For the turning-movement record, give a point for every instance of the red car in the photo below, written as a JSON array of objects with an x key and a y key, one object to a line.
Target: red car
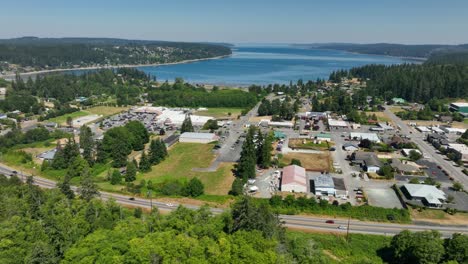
[{"x": 330, "y": 222}]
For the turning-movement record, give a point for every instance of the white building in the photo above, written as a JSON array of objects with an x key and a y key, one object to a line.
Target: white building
[
  {"x": 428, "y": 194},
  {"x": 294, "y": 179},
  {"x": 348, "y": 146},
  {"x": 324, "y": 185},
  {"x": 360, "y": 136},
  {"x": 423, "y": 129},
  {"x": 460, "y": 150},
  {"x": 192, "y": 137},
  {"x": 337, "y": 123},
  {"x": 453, "y": 130}
]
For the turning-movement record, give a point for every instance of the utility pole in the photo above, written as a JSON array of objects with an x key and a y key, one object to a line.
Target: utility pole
[
  {"x": 151, "y": 199},
  {"x": 347, "y": 230}
]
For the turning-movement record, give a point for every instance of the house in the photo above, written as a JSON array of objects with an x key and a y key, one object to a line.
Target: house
[
  {"x": 427, "y": 194},
  {"x": 404, "y": 167},
  {"x": 323, "y": 137},
  {"x": 324, "y": 185},
  {"x": 81, "y": 99},
  {"x": 397, "y": 100},
  {"x": 397, "y": 141},
  {"x": 294, "y": 179},
  {"x": 372, "y": 164},
  {"x": 460, "y": 107},
  {"x": 348, "y": 146},
  {"x": 360, "y": 136},
  {"x": 367, "y": 160},
  {"x": 192, "y": 137}
]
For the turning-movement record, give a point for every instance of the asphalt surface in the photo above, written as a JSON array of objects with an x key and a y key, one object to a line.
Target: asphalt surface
[
  {"x": 428, "y": 150},
  {"x": 296, "y": 222}
]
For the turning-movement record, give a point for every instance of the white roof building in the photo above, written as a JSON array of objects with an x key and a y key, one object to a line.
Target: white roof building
[
  {"x": 453, "y": 130},
  {"x": 337, "y": 123},
  {"x": 193, "y": 137},
  {"x": 423, "y": 129},
  {"x": 427, "y": 193},
  {"x": 385, "y": 126},
  {"x": 370, "y": 136}
]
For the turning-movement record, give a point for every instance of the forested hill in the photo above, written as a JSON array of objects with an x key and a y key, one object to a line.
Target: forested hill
[
  {"x": 459, "y": 57},
  {"x": 30, "y": 53},
  {"x": 415, "y": 83},
  {"x": 397, "y": 50}
]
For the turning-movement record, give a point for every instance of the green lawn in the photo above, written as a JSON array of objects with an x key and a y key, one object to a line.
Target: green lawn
[
  {"x": 183, "y": 157},
  {"x": 106, "y": 110},
  {"x": 63, "y": 118},
  {"x": 221, "y": 112},
  {"x": 360, "y": 248}
]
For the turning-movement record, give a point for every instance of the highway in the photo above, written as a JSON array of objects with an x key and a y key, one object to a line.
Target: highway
[
  {"x": 428, "y": 149},
  {"x": 306, "y": 223}
]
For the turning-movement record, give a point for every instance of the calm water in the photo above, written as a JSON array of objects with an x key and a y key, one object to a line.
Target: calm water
[{"x": 267, "y": 64}]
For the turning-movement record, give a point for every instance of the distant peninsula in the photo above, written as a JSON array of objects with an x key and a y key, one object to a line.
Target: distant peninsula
[{"x": 32, "y": 54}]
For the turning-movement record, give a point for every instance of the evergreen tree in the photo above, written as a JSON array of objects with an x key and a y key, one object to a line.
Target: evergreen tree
[
  {"x": 194, "y": 188},
  {"x": 248, "y": 160},
  {"x": 145, "y": 164},
  {"x": 116, "y": 177},
  {"x": 64, "y": 187},
  {"x": 88, "y": 189},
  {"x": 87, "y": 144},
  {"x": 187, "y": 125},
  {"x": 130, "y": 174}
]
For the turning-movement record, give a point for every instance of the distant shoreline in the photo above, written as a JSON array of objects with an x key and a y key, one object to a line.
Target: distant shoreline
[{"x": 34, "y": 73}]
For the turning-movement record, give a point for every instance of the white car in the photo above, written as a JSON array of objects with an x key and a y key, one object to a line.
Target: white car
[
  {"x": 342, "y": 227},
  {"x": 170, "y": 204}
]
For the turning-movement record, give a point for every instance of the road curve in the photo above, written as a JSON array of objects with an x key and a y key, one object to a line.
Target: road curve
[{"x": 307, "y": 223}]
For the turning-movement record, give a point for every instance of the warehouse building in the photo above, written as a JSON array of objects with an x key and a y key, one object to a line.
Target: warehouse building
[
  {"x": 192, "y": 137},
  {"x": 461, "y": 108},
  {"x": 429, "y": 195},
  {"x": 294, "y": 179}
]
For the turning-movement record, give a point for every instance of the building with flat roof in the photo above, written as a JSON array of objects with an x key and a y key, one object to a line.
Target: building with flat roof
[
  {"x": 324, "y": 185},
  {"x": 428, "y": 194},
  {"x": 460, "y": 107},
  {"x": 348, "y": 146},
  {"x": 48, "y": 155},
  {"x": 460, "y": 151},
  {"x": 370, "y": 136},
  {"x": 193, "y": 137},
  {"x": 323, "y": 136},
  {"x": 294, "y": 179},
  {"x": 332, "y": 123}
]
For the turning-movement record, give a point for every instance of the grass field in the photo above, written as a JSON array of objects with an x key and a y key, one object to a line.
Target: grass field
[
  {"x": 63, "y": 118},
  {"x": 381, "y": 116},
  {"x": 106, "y": 110},
  {"x": 359, "y": 249},
  {"x": 310, "y": 161},
  {"x": 298, "y": 143},
  {"x": 439, "y": 217},
  {"x": 221, "y": 112},
  {"x": 183, "y": 157}
]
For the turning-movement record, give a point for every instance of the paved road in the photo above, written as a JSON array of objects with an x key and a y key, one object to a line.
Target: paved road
[
  {"x": 299, "y": 222},
  {"x": 427, "y": 149}
]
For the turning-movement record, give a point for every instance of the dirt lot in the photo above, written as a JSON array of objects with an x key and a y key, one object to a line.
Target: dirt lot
[
  {"x": 310, "y": 161},
  {"x": 439, "y": 217}
]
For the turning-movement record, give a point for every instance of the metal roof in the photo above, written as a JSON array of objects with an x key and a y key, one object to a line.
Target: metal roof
[{"x": 195, "y": 135}]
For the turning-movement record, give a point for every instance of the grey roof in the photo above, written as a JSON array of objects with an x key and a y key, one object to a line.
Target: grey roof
[
  {"x": 372, "y": 160},
  {"x": 48, "y": 155},
  {"x": 195, "y": 135},
  {"x": 349, "y": 144},
  {"x": 324, "y": 181}
]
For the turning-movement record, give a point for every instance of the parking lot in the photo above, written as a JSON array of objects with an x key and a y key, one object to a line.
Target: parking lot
[
  {"x": 386, "y": 198},
  {"x": 433, "y": 170}
]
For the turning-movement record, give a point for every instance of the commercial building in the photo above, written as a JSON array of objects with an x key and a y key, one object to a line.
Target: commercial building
[
  {"x": 460, "y": 151},
  {"x": 453, "y": 130},
  {"x": 370, "y": 136},
  {"x": 332, "y": 123},
  {"x": 324, "y": 185},
  {"x": 294, "y": 179},
  {"x": 323, "y": 137},
  {"x": 423, "y": 129},
  {"x": 193, "y": 137},
  {"x": 429, "y": 195},
  {"x": 461, "y": 108}
]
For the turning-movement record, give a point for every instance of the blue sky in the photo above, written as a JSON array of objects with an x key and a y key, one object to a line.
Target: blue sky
[{"x": 241, "y": 21}]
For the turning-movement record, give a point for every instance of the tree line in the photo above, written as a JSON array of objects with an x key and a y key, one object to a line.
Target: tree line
[
  {"x": 285, "y": 110},
  {"x": 415, "y": 83},
  {"x": 180, "y": 94}
]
